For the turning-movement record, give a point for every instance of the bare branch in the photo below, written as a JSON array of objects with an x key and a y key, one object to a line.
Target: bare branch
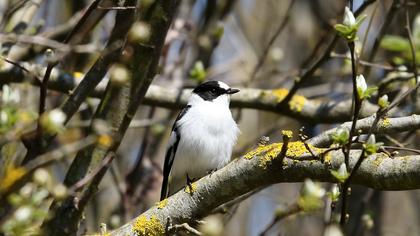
[
  {"x": 386, "y": 126},
  {"x": 300, "y": 107}
]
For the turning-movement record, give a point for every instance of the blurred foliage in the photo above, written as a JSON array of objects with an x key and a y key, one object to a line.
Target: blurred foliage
[
  {"x": 401, "y": 45},
  {"x": 209, "y": 40}
]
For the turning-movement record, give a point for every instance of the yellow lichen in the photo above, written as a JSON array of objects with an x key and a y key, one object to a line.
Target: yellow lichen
[
  {"x": 328, "y": 158},
  {"x": 270, "y": 152},
  {"x": 378, "y": 158},
  {"x": 147, "y": 227},
  {"x": 296, "y": 103},
  {"x": 162, "y": 204},
  {"x": 386, "y": 122},
  {"x": 190, "y": 188},
  {"x": 11, "y": 175},
  {"x": 297, "y": 149},
  {"x": 105, "y": 140},
  {"x": 287, "y": 133},
  {"x": 78, "y": 75},
  {"x": 260, "y": 149},
  {"x": 270, "y": 155}
]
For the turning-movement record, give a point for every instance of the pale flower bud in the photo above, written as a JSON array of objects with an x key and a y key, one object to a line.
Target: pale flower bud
[
  {"x": 213, "y": 226},
  {"x": 367, "y": 221},
  {"x": 341, "y": 131},
  {"x": 23, "y": 213},
  {"x": 57, "y": 116},
  {"x": 335, "y": 192},
  {"x": 119, "y": 74},
  {"x": 313, "y": 189},
  {"x": 383, "y": 101},
  {"x": 311, "y": 196},
  {"x": 41, "y": 176},
  {"x": 349, "y": 19},
  {"x": 3, "y": 117},
  {"x": 361, "y": 85},
  {"x": 59, "y": 192},
  {"x": 342, "y": 171},
  {"x": 372, "y": 139},
  {"x": 9, "y": 95},
  {"x": 276, "y": 54},
  {"x": 54, "y": 120},
  {"x": 139, "y": 32}
]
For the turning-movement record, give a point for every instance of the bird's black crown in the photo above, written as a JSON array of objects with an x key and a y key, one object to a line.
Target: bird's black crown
[{"x": 211, "y": 90}]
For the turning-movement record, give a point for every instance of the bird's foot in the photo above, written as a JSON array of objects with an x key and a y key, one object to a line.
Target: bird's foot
[
  {"x": 190, "y": 185},
  {"x": 210, "y": 172}
]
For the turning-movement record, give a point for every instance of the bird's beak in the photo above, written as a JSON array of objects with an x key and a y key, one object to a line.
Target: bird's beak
[{"x": 232, "y": 91}]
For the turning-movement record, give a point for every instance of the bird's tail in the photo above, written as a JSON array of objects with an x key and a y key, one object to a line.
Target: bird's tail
[{"x": 164, "y": 190}]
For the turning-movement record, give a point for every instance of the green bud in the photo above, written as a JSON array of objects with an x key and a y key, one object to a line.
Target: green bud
[
  {"x": 340, "y": 136},
  {"x": 139, "y": 32},
  {"x": 371, "y": 146},
  {"x": 348, "y": 29},
  {"x": 53, "y": 121},
  {"x": 213, "y": 226},
  {"x": 341, "y": 174},
  {"x": 311, "y": 196},
  {"x": 198, "y": 72},
  {"x": 383, "y": 101},
  {"x": 335, "y": 193},
  {"x": 41, "y": 177}
]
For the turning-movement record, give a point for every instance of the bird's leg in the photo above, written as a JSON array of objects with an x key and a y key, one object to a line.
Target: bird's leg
[{"x": 190, "y": 182}]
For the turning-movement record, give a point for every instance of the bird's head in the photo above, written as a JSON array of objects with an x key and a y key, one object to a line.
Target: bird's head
[{"x": 213, "y": 91}]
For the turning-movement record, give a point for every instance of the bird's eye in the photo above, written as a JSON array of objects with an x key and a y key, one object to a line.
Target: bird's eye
[{"x": 213, "y": 90}]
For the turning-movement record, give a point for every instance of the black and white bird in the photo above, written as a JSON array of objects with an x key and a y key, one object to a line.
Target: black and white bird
[{"x": 202, "y": 137}]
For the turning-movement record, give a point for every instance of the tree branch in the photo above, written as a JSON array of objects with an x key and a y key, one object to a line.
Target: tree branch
[
  {"x": 309, "y": 110},
  {"x": 386, "y": 126},
  {"x": 261, "y": 167}
]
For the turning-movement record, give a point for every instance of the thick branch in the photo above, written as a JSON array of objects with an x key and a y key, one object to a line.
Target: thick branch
[
  {"x": 262, "y": 168},
  {"x": 386, "y": 126}
]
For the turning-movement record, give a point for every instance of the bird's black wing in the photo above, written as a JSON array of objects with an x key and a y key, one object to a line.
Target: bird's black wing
[{"x": 170, "y": 153}]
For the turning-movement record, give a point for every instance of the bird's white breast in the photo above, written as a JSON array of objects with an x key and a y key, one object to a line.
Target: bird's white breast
[{"x": 208, "y": 133}]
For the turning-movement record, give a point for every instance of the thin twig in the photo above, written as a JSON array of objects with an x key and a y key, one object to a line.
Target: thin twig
[
  {"x": 402, "y": 149},
  {"x": 118, "y": 8},
  {"x": 36, "y": 146},
  {"x": 271, "y": 42},
  {"x": 323, "y": 58},
  {"x": 11, "y": 10},
  {"x": 226, "y": 206},
  {"x": 357, "y": 106},
  {"x": 378, "y": 38},
  {"x": 303, "y": 139},
  {"x": 394, "y": 141},
  {"x": 37, "y": 79},
  {"x": 105, "y": 163},
  {"x": 46, "y": 160},
  {"x": 365, "y": 63},
  {"x": 37, "y": 40},
  {"x": 368, "y": 29},
  {"x": 291, "y": 210},
  {"x": 284, "y": 148},
  {"x": 413, "y": 51},
  {"x": 183, "y": 227}
]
